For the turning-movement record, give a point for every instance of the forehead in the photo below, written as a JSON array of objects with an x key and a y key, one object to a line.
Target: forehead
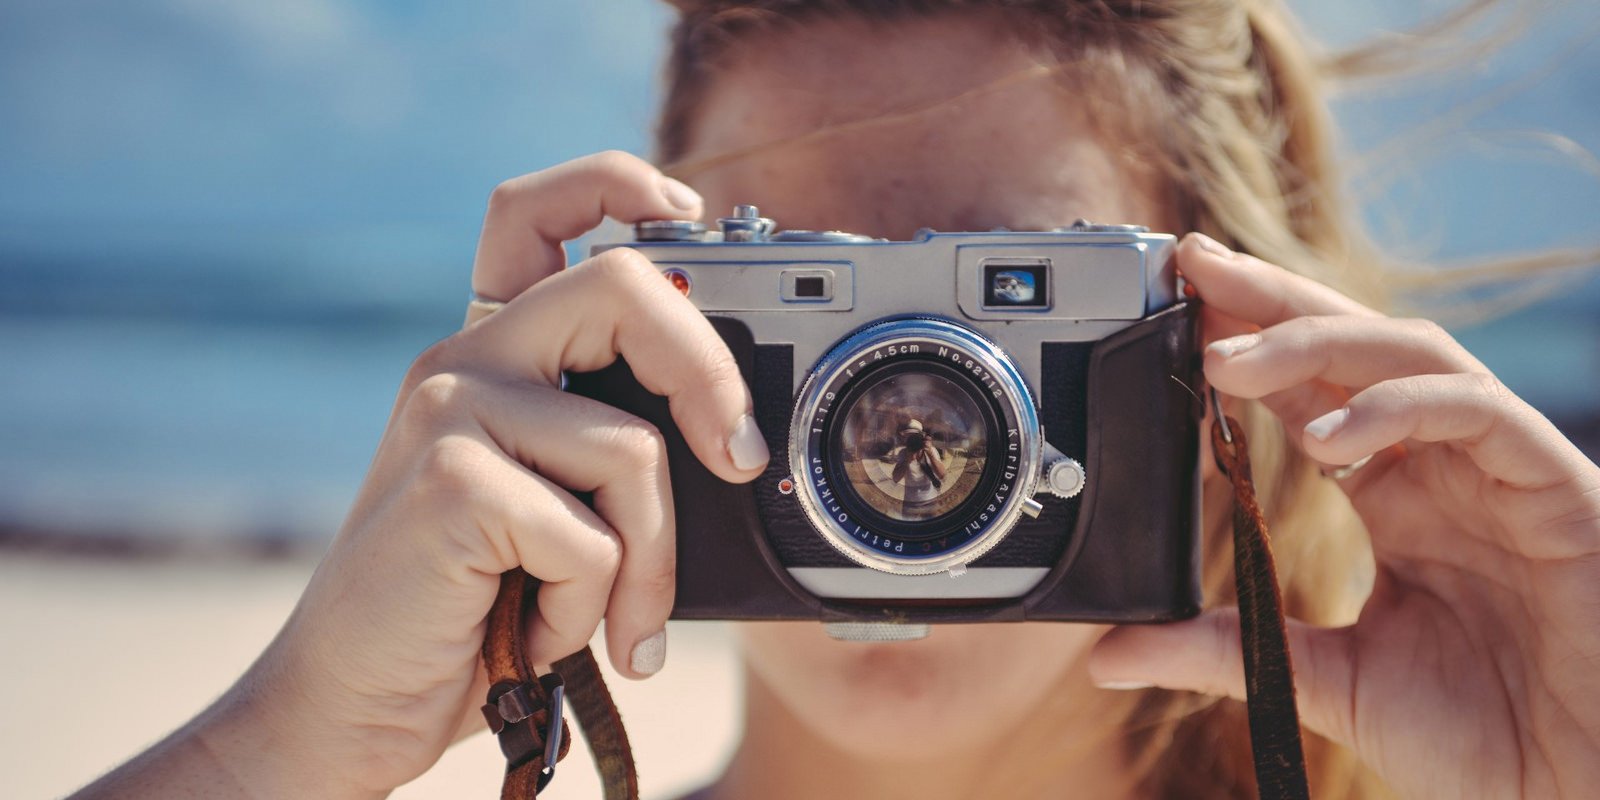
[{"x": 948, "y": 123}]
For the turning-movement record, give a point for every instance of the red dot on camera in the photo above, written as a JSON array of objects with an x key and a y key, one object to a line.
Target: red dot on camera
[
  {"x": 785, "y": 486},
  {"x": 679, "y": 281}
]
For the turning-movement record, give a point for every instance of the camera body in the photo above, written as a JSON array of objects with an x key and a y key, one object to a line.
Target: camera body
[{"x": 964, "y": 427}]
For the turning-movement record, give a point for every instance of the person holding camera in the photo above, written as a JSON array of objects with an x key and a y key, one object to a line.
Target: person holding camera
[
  {"x": 1446, "y": 593},
  {"x": 919, "y": 466}
]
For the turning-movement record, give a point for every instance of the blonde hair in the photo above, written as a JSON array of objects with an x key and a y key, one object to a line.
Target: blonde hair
[{"x": 1228, "y": 105}]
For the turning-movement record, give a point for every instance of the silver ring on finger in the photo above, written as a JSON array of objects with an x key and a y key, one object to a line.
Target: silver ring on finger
[
  {"x": 484, "y": 305},
  {"x": 479, "y": 307}
]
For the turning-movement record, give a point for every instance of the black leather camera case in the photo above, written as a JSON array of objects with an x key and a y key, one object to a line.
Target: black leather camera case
[{"x": 1124, "y": 550}]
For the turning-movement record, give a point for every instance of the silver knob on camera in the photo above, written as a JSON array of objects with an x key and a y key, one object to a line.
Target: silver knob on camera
[
  {"x": 669, "y": 230},
  {"x": 746, "y": 225},
  {"x": 1064, "y": 477}
]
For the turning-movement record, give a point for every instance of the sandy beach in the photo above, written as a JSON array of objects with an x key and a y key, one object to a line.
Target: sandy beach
[{"x": 135, "y": 647}]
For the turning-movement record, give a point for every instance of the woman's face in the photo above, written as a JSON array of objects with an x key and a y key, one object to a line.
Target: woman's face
[{"x": 1023, "y": 156}]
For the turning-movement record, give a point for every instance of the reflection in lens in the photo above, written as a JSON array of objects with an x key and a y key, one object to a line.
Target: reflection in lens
[{"x": 913, "y": 446}]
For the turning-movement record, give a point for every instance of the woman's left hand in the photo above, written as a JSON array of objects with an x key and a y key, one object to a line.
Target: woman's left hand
[{"x": 1474, "y": 667}]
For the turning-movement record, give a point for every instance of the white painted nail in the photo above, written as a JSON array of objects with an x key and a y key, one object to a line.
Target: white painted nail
[
  {"x": 747, "y": 447},
  {"x": 1228, "y": 348},
  {"x": 1328, "y": 424},
  {"x": 1123, "y": 686},
  {"x": 650, "y": 654},
  {"x": 679, "y": 194}
]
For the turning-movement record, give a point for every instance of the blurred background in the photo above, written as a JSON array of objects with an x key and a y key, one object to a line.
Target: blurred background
[{"x": 227, "y": 227}]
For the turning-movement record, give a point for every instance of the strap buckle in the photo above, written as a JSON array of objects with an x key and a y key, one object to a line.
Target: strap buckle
[
  {"x": 513, "y": 704},
  {"x": 555, "y": 730}
]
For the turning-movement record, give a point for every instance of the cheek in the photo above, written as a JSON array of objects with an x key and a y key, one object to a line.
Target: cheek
[{"x": 962, "y": 686}]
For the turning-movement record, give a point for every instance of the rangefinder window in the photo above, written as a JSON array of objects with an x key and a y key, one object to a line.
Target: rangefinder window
[{"x": 1016, "y": 283}]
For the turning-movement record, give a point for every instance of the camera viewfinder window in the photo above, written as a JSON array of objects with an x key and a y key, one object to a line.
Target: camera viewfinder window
[{"x": 1016, "y": 286}]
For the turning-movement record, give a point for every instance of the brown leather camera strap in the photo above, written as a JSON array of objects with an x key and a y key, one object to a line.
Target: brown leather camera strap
[
  {"x": 1268, "y": 672},
  {"x": 524, "y": 710}
]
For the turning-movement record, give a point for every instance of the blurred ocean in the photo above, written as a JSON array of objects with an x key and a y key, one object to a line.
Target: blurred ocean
[{"x": 226, "y": 228}]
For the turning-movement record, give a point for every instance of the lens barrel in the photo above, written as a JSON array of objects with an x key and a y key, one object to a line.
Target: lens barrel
[{"x": 913, "y": 445}]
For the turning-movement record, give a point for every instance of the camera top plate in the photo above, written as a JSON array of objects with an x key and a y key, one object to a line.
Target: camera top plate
[{"x": 1088, "y": 280}]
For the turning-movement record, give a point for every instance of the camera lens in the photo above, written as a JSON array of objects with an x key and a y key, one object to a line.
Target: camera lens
[
  {"x": 913, "y": 445},
  {"x": 910, "y": 443}
]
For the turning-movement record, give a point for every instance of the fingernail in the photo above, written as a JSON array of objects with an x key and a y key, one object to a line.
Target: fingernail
[
  {"x": 679, "y": 194},
  {"x": 1228, "y": 348},
  {"x": 650, "y": 654},
  {"x": 1212, "y": 246},
  {"x": 1123, "y": 686},
  {"x": 1328, "y": 424},
  {"x": 746, "y": 446}
]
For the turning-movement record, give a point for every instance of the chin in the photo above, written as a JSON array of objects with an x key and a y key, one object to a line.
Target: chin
[{"x": 962, "y": 686}]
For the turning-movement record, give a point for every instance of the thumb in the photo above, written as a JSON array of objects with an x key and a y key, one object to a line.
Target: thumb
[{"x": 1203, "y": 655}]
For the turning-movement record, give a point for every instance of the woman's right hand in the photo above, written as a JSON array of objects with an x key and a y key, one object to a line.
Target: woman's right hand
[{"x": 379, "y": 663}]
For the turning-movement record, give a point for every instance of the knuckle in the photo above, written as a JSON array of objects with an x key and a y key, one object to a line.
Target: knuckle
[
  {"x": 1450, "y": 355},
  {"x": 1310, "y": 331},
  {"x": 1427, "y": 327},
  {"x": 632, "y": 279},
  {"x": 453, "y": 467},
  {"x": 615, "y": 162},
  {"x": 1315, "y": 324},
  {"x": 638, "y": 444},
  {"x": 505, "y": 194},
  {"x": 560, "y": 636},
  {"x": 437, "y": 396},
  {"x": 603, "y": 558},
  {"x": 660, "y": 582},
  {"x": 1429, "y": 331},
  {"x": 1403, "y": 395},
  {"x": 1490, "y": 386},
  {"x": 625, "y": 267},
  {"x": 720, "y": 370},
  {"x": 429, "y": 362}
]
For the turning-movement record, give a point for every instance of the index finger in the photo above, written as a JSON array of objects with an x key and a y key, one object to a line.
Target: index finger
[
  {"x": 1246, "y": 288},
  {"x": 617, "y": 304},
  {"x": 529, "y": 217}
]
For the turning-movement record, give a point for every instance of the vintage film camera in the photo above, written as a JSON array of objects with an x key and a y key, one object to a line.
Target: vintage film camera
[{"x": 965, "y": 427}]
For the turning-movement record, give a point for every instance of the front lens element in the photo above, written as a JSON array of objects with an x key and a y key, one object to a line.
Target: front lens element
[{"x": 913, "y": 442}]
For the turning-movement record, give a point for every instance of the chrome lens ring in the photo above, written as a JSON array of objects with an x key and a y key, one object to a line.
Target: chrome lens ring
[{"x": 944, "y": 347}]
